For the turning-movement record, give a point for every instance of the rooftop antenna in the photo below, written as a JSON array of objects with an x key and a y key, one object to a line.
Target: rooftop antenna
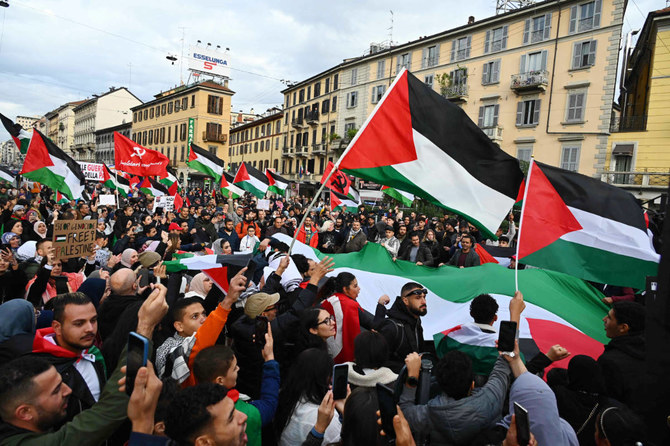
[
  {"x": 391, "y": 30},
  {"x": 130, "y": 75},
  {"x": 181, "y": 59},
  {"x": 503, "y": 6}
]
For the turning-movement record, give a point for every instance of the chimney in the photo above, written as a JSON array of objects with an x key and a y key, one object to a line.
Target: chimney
[
  {"x": 251, "y": 112},
  {"x": 471, "y": 20}
]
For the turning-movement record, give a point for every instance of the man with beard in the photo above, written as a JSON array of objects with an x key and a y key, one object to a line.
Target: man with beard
[{"x": 402, "y": 328}]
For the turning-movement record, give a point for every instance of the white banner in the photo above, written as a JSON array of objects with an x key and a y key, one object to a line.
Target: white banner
[
  {"x": 92, "y": 171},
  {"x": 263, "y": 204},
  {"x": 165, "y": 202},
  {"x": 205, "y": 60},
  {"x": 107, "y": 200}
]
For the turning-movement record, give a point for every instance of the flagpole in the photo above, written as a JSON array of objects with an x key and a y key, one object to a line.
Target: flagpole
[
  {"x": 116, "y": 175},
  {"x": 518, "y": 240}
]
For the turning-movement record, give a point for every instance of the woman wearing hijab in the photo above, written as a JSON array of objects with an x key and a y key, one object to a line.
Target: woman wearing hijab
[
  {"x": 40, "y": 229},
  {"x": 129, "y": 259},
  {"x": 51, "y": 281},
  {"x": 12, "y": 241},
  {"x": 96, "y": 289},
  {"x": 17, "y": 227},
  {"x": 17, "y": 329},
  {"x": 200, "y": 286}
]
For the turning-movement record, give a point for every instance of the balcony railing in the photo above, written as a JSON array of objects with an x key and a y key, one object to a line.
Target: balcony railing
[
  {"x": 637, "y": 179},
  {"x": 495, "y": 133},
  {"x": 628, "y": 124},
  {"x": 297, "y": 123},
  {"x": 302, "y": 151},
  {"x": 318, "y": 148},
  {"x": 312, "y": 117},
  {"x": 287, "y": 151},
  {"x": 455, "y": 92},
  {"x": 214, "y": 137},
  {"x": 531, "y": 80}
]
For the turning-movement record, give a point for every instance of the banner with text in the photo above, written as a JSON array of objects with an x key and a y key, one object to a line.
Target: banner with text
[
  {"x": 73, "y": 238},
  {"x": 92, "y": 171}
]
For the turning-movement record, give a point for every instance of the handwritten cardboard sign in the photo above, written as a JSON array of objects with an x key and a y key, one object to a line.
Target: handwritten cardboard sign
[{"x": 73, "y": 238}]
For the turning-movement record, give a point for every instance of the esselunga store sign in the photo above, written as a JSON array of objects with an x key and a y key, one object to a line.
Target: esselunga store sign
[{"x": 209, "y": 61}]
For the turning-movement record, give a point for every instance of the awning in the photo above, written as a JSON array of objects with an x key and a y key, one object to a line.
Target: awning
[{"x": 623, "y": 150}]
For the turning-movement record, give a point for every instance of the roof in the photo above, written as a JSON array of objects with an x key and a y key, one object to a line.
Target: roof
[
  {"x": 81, "y": 104},
  {"x": 114, "y": 128},
  {"x": 258, "y": 121},
  {"x": 210, "y": 85}
]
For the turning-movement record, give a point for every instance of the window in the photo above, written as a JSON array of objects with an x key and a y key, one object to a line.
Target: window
[
  {"x": 146, "y": 113},
  {"x": 135, "y": 117},
  {"x": 488, "y": 116},
  {"x": 354, "y": 76},
  {"x": 334, "y": 106},
  {"x": 431, "y": 56},
  {"x": 257, "y": 131},
  {"x": 327, "y": 86},
  {"x": 378, "y": 93},
  {"x": 158, "y": 111},
  {"x": 336, "y": 78},
  {"x": 151, "y": 113},
  {"x": 177, "y": 106},
  {"x": 381, "y": 69},
  {"x": 182, "y": 133},
  {"x": 491, "y": 72},
  {"x": 404, "y": 60},
  {"x": 584, "y": 54},
  {"x": 183, "y": 150},
  {"x": 294, "y": 96},
  {"x": 352, "y": 99},
  {"x": 495, "y": 40},
  {"x": 275, "y": 164},
  {"x": 163, "y": 109},
  {"x": 256, "y": 147},
  {"x": 278, "y": 126},
  {"x": 213, "y": 131},
  {"x": 528, "y": 113},
  {"x": 524, "y": 153},
  {"x": 168, "y": 135},
  {"x": 169, "y": 106},
  {"x": 460, "y": 48},
  {"x": 576, "y": 106},
  {"x": 144, "y": 138},
  {"x": 325, "y": 106},
  {"x": 184, "y": 103},
  {"x": 192, "y": 100},
  {"x": 349, "y": 126},
  {"x": 585, "y": 17},
  {"x": 570, "y": 158},
  {"x": 309, "y": 92},
  {"x": 537, "y": 29},
  {"x": 298, "y": 140},
  {"x": 317, "y": 89},
  {"x": 214, "y": 105},
  {"x": 428, "y": 80},
  {"x": 301, "y": 96},
  {"x": 532, "y": 62},
  {"x": 162, "y": 133}
]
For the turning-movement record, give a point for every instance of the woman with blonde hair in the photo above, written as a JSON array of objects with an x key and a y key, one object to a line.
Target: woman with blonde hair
[{"x": 327, "y": 238}]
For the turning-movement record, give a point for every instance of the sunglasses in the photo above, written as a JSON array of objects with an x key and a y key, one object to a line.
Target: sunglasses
[
  {"x": 417, "y": 292},
  {"x": 327, "y": 320}
]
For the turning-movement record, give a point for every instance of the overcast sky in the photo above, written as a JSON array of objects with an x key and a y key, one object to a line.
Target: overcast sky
[{"x": 56, "y": 51}]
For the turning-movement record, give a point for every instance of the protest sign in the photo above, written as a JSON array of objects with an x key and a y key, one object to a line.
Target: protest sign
[
  {"x": 93, "y": 171},
  {"x": 107, "y": 200},
  {"x": 166, "y": 202},
  {"x": 73, "y": 238},
  {"x": 263, "y": 204}
]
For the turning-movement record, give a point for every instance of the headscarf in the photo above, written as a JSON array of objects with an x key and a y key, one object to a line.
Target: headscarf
[
  {"x": 94, "y": 289},
  {"x": 7, "y": 236},
  {"x": 126, "y": 255},
  {"x": 36, "y": 225},
  {"x": 17, "y": 316},
  {"x": 28, "y": 251},
  {"x": 197, "y": 287}
]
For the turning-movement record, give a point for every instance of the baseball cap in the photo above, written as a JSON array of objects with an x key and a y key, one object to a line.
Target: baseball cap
[{"x": 257, "y": 303}]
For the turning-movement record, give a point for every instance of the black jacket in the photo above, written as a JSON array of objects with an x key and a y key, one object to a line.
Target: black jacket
[
  {"x": 624, "y": 370},
  {"x": 13, "y": 284},
  {"x": 403, "y": 332},
  {"x": 423, "y": 255}
]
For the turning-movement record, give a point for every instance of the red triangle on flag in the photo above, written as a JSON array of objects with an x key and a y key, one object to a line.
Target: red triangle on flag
[
  {"x": 242, "y": 174},
  {"x": 484, "y": 256},
  {"x": 219, "y": 276},
  {"x": 178, "y": 202},
  {"x": 545, "y": 217},
  {"x": 37, "y": 155}
]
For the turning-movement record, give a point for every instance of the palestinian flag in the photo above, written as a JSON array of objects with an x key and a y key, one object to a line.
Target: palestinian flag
[
  {"x": 251, "y": 180},
  {"x": 560, "y": 309},
  {"x": 353, "y": 194},
  {"x": 113, "y": 182},
  {"x": 149, "y": 186},
  {"x": 584, "y": 227},
  {"x": 420, "y": 142},
  {"x": 339, "y": 202},
  {"x": 228, "y": 186},
  {"x": 61, "y": 199},
  {"x": 404, "y": 197},
  {"x": 46, "y": 163},
  {"x": 278, "y": 184},
  {"x": 171, "y": 182},
  {"x": 204, "y": 161},
  {"x": 20, "y": 136},
  {"x": 7, "y": 176},
  {"x": 219, "y": 268}
]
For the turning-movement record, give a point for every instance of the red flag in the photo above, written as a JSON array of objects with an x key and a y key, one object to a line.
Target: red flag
[
  {"x": 484, "y": 256},
  {"x": 339, "y": 181},
  {"x": 178, "y": 202},
  {"x": 133, "y": 158}
]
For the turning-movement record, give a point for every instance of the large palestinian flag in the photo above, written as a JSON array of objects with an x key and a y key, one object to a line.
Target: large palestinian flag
[
  {"x": 339, "y": 202},
  {"x": 115, "y": 182},
  {"x": 560, "y": 309},
  {"x": 404, "y": 197},
  {"x": 584, "y": 227},
  {"x": 418, "y": 141},
  {"x": 278, "y": 184},
  {"x": 46, "y": 163},
  {"x": 152, "y": 187},
  {"x": 227, "y": 186},
  {"x": 20, "y": 136},
  {"x": 219, "y": 268},
  {"x": 251, "y": 180},
  {"x": 206, "y": 162}
]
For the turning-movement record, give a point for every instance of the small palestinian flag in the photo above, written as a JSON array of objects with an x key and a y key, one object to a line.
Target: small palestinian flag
[
  {"x": 61, "y": 199},
  {"x": 583, "y": 227},
  {"x": 219, "y": 268},
  {"x": 171, "y": 182},
  {"x": 7, "y": 176},
  {"x": 20, "y": 136},
  {"x": 420, "y": 142},
  {"x": 152, "y": 187},
  {"x": 46, "y": 163},
  {"x": 60, "y": 238},
  {"x": 339, "y": 202},
  {"x": 404, "y": 197},
  {"x": 227, "y": 185},
  {"x": 111, "y": 181},
  {"x": 251, "y": 180},
  {"x": 278, "y": 184},
  {"x": 206, "y": 162}
]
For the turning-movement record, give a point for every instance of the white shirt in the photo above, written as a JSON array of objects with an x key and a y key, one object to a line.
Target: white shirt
[
  {"x": 247, "y": 243},
  {"x": 86, "y": 369}
]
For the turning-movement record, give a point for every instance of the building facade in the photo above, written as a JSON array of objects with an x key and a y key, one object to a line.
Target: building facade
[
  {"x": 197, "y": 113},
  {"x": 60, "y": 126},
  {"x": 10, "y": 155},
  {"x": 27, "y": 122},
  {"x": 637, "y": 155},
  {"x": 538, "y": 80},
  {"x": 258, "y": 142},
  {"x": 100, "y": 112},
  {"x": 104, "y": 142}
]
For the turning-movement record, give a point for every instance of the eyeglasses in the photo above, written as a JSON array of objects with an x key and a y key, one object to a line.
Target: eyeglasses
[
  {"x": 327, "y": 320},
  {"x": 417, "y": 292}
]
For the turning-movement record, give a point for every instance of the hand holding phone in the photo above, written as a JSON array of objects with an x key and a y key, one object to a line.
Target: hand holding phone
[
  {"x": 522, "y": 425},
  {"x": 261, "y": 328},
  {"x": 251, "y": 269},
  {"x": 138, "y": 354},
  {"x": 340, "y": 381},
  {"x": 507, "y": 336},
  {"x": 387, "y": 409}
]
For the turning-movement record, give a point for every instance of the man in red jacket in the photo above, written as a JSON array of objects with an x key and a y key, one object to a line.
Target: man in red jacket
[{"x": 308, "y": 234}]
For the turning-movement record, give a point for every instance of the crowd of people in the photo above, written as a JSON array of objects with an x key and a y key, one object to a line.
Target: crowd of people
[{"x": 254, "y": 364}]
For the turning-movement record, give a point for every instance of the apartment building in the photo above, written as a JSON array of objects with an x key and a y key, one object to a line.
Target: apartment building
[
  {"x": 104, "y": 142},
  {"x": 27, "y": 122},
  {"x": 60, "y": 126},
  {"x": 637, "y": 156},
  {"x": 257, "y": 142},
  {"x": 198, "y": 113}
]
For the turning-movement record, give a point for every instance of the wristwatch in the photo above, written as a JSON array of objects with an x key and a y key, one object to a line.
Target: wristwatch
[{"x": 412, "y": 381}]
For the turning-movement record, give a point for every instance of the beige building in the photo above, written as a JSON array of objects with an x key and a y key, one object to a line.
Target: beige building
[
  {"x": 538, "y": 80},
  {"x": 27, "y": 122},
  {"x": 100, "y": 112},
  {"x": 257, "y": 142},
  {"x": 60, "y": 126},
  {"x": 198, "y": 113}
]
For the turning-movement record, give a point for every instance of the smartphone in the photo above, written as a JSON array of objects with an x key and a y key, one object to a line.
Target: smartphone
[
  {"x": 340, "y": 381},
  {"x": 522, "y": 425},
  {"x": 251, "y": 269},
  {"x": 387, "y": 409},
  {"x": 138, "y": 354},
  {"x": 507, "y": 336},
  {"x": 261, "y": 325}
]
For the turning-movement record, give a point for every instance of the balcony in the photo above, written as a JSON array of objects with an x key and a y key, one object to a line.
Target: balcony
[
  {"x": 214, "y": 137},
  {"x": 318, "y": 149},
  {"x": 297, "y": 123},
  {"x": 312, "y": 117},
  {"x": 288, "y": 151},
  {"x": 628, "y": 124},
  {"x": 302, "y": 151},
  {"x": 495, "y": 133},
  {"x": 637, "y": 179},
  {"x": 456, "y": 93},
  {"x": 530, "y": 82}
]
